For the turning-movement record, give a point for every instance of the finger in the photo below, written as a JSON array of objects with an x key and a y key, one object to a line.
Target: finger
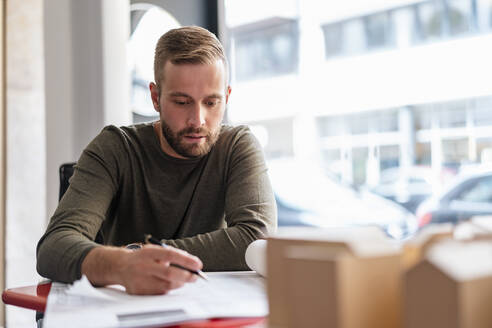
[
  {"x": 184, "y": 259},
  {"x": 165, "y": 271},
  {"x": 179, "y": 274},
  {"x": 173, "y": 255}
]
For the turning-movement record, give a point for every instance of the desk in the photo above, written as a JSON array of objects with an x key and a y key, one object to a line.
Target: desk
[{"x": 34, "y": 298}]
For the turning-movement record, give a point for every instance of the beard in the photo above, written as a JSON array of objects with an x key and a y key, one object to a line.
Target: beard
[{"x": 176, "y": 140}]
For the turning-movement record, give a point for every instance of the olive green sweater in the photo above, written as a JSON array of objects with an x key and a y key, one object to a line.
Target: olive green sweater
[{"x": 125, "y": 186}]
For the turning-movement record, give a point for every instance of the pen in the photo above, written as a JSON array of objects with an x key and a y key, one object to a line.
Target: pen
[{"x": 151, "y": 240}]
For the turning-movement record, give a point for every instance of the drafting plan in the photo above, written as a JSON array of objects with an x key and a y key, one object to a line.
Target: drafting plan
[{"x": 226, "y": 294}]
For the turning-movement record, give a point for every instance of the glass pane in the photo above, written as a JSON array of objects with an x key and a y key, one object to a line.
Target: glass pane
[
  {"x": 333, "y": 39},
  {"x": 482, "y": 114},
  {"x": 481, "y": 192},
  {"x": 359, "y": 124},
  {"x": 431, "y": 18},
  {"x": 386, "y": 122},
  {"x": 452, "y": 114},
  {"x": 455, "y": 152},
  {"x": 484, "y": 150},
  {"x": 389, "y": 156},
  {"x": 359, "y": 165},
  {"x": 459, "y": 16},
  {"x": 354, "y": 38},
  {"x": 423, "y": 117},
  {"x": 423, "y": 153},
  {"x": 331, "y": 126},
  {"x": 266, "y": 51},
  {"x": 378, "y": 31},
  {"x": 490, "y": 15},
  {"x": 147, "y": 26}
]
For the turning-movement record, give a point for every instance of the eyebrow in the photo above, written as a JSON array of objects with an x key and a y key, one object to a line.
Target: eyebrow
[{"x": 182, "y": 94}]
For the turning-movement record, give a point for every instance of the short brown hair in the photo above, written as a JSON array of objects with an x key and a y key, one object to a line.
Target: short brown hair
[{"x": 187, "y": 45}]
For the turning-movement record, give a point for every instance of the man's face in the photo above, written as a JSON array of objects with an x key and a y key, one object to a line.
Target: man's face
[{"x": 191, "y": 104}]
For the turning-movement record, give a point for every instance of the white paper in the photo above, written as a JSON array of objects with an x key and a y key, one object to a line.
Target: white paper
[
  {"x": 226, "y": 294},
  {"x": 84, "y": 288}
]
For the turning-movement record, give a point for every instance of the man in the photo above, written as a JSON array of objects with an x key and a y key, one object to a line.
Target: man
[{"x": 199, "y": 186}]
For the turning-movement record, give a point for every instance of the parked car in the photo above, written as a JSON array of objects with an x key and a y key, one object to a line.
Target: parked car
[
  {"x": 408, "y": 187},
  {"x": 306, "y": 196},
  {"x": 469, "y": 195}
]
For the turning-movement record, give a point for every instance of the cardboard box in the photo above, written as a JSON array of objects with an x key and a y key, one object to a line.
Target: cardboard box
[
  {"x": 451, "y": 287},
  {"x": 340, "y": 240},
  {"x": 342, "y": 290},
  {"x": 415, "y": 248}
]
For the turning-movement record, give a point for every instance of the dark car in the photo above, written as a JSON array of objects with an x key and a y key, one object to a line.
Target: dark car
[{"x": 470, "y": 195}]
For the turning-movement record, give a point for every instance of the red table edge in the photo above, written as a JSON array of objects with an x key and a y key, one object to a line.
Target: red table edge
[
  {"x": 29, "y": 297},
  {"x": 35, "y": 297}
]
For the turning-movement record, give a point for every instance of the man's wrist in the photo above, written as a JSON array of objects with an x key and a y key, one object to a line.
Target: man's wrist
[{"x": 104, "y": 265}]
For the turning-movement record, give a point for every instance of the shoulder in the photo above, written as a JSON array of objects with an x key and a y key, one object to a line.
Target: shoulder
[
  {"x": 112, "y": 135},
  {"x": 232, "y": 135},
  {"x": 237, "y": 142}
]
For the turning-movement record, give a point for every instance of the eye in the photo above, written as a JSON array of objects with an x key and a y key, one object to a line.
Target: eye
[
  {"x": 212, "y": 103},
  {"x": 181, "y": 101}
]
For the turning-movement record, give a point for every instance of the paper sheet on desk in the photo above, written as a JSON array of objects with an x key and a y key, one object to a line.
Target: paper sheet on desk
[{"x": 227, "y": 294}]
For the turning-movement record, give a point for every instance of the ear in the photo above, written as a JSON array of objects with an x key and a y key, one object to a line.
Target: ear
[
  {"x": 155, "y": 95},
  {"x": 228, "y": 93}
]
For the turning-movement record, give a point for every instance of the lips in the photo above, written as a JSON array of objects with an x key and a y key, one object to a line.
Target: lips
[{"x": 194, "y": 138}]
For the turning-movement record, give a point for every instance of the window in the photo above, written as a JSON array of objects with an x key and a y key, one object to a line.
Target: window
[
  {"x": 452, "y": 114},
  {"x": 389, "y": 156},
  {"x": 386, "y": 121},
  {"x": 344, "y": 38},
  {"x": 480, "y": 192},
  {"x": 484, "y": 150},
  {"x": 423, "y": 153},
  {"x": 378, "y": 31},
  {"x": 482, "y": 113},
  {"x": 423, "y": 117},
  {"x": 460, "y": 16},
  {"x": 359, "y": 164},
  {"x": 359, "y": 124},
  {"x": 431, "y": 20},
  {"x": 444, "y": 18},
  {"x": 490, "y": 15},
  {"x": 147, "y": 25},
  {"x": 266, "y": 49},
  {"x": 455, "y": 152},
  {"x": 333, "y": 34},
  {"x": 331, "y": 126}
]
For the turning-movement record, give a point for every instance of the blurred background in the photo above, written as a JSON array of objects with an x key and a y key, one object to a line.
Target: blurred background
[{"x": 370, "y": 112}]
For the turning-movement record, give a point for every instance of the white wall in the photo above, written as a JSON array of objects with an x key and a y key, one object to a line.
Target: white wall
[
  {"x": 26, "y": 151},
  {"x": 66, "y": 79}
]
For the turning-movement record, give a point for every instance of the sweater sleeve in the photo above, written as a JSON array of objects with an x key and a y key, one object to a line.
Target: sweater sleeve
[
  {"x": 73, "y": 227},
  {"x": 250, "y": 210}
]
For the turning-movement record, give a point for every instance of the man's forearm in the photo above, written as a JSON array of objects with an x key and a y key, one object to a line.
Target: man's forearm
[
  {"x": 220, "y": 250},
  {"x": 104, "y": 265}
]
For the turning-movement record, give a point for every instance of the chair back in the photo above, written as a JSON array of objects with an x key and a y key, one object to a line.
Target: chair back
[{"x": 66, "y": 171}]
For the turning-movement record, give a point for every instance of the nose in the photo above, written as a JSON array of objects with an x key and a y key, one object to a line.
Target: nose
[{"x": 196, "y": 116}]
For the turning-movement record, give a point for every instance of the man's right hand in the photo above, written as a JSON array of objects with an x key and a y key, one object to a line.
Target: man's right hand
[{"x": 145, "y": 271}]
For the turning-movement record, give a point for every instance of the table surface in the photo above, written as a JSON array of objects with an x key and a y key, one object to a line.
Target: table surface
[{"x": 34, "y": 297}]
